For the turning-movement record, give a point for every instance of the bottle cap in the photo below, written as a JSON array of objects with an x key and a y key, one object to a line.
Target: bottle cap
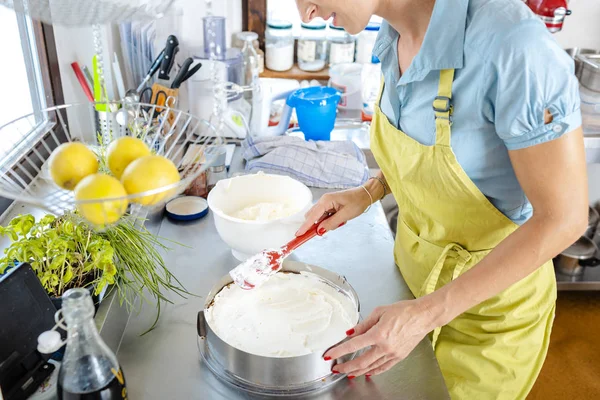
[
  {"x": 49, "y": 342},
  {"x": 279, "y": 24},
  {"x": 247, "y": 36}
]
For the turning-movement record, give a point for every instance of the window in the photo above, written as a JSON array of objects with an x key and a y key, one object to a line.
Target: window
[
  {"x": 29, "y": 83},
  {"x": 21, "y": 82}
]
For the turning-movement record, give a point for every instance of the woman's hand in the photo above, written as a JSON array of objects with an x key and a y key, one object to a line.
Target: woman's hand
[
  {"x": 392, "y": 332},
  {"x": 345, "y": 205}
]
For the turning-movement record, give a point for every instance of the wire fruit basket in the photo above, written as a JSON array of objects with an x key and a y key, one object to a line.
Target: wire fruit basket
[{"x": 29, "y": 141}]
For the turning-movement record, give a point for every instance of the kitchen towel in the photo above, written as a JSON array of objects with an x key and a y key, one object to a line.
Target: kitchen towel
[{"x": 321, "y": 164}]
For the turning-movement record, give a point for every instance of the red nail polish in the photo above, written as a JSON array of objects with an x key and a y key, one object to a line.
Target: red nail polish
[
  {"x": 334, "y": 371},
  {"x": 351, "y": 377},
  {"x": 321, "y": 231},
  {"x": 368, "y": 375},
  {"x": 342, "y": 224},
  {"x": 350, "y": 332},
  {"x": 327, "y": 358}
]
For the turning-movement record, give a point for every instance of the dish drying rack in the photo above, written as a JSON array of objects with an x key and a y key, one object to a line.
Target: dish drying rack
[{"x": 25, "y": 177}]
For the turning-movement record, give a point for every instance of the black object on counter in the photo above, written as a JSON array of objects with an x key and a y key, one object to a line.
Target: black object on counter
[
  {"x": 25, "y": 312},
  {"x": 171, "y": 49}
]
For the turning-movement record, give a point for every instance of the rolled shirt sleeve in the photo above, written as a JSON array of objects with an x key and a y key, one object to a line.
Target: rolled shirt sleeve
[{"x": 527, "y": 74}]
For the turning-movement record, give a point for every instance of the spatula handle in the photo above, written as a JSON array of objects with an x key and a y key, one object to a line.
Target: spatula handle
[{"x": 300, "y": 240}]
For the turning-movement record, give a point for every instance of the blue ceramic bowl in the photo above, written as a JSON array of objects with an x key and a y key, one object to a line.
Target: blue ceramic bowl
[{"x": 187, "y": 208}]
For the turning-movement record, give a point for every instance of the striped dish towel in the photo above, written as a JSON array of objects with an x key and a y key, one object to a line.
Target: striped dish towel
[{"x": 322, "y": 164}]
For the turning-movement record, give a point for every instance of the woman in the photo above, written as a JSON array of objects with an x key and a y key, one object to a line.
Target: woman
[{"x": 478, "y": 137}]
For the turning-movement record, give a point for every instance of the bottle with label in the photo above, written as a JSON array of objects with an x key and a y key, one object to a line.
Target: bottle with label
[
  {"x": 342, "y": 46},
  {"x": 89, "y": 370},
  {"x": 371, "y": 82},
  {"x": 312, "y": 46}
]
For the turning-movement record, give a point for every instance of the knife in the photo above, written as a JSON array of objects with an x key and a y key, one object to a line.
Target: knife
[
  {"x": 171, "y": 49},
  {"x": 153, "y": 68}
]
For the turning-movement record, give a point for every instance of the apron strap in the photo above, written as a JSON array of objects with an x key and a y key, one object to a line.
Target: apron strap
[
  {"x": 432, "y": 279},
  {"x": 442, "y": 106}
]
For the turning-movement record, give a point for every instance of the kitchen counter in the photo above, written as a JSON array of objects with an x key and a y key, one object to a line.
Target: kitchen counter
[{"x": 165, "y": 363}]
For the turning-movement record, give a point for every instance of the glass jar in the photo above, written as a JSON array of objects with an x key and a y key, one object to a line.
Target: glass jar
[
  {"x": 342, "y": 46},
  {"x": 279, "y": 46},
  {"x": 312, "y": 46},
  {"x": 216, "y": 157},
  {"x": 366, "y": 43}
]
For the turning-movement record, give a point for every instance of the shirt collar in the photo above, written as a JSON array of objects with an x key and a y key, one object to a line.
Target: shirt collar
[{"x": 442, "y": 46}]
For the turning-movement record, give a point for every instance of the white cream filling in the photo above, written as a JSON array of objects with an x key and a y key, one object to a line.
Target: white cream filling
[
  {"x": 289, "y": 315},
  {"x": 265, "y": 212}
]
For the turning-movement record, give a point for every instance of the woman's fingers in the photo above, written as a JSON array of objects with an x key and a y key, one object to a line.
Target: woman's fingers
[
  {"x": 367, "y": 324},
  {"x": 369, "y": 370},
  {"x": 364, "y": 362},
  {"x": 384, "y": 367},
  {"x": 352, "y": 345},
  {"x": 335, "y": 221},
  {"x": 314, "y": 215}
]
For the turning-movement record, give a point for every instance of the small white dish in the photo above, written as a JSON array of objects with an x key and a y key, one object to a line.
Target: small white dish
[{"x": 187, "y": 208}]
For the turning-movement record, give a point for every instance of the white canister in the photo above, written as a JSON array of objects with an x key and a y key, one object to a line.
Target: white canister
[
  {"x": 347, "y": 79},
  {"x": 366, "y": 43},
  {"x": 279, "y": 46}
]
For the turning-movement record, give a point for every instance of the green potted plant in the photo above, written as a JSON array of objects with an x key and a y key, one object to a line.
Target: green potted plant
[
  {"x": 62, "y": 253},
  {"x": 65, "y": 253}
]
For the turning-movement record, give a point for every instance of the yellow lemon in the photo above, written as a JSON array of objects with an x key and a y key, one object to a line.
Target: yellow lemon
[
  {"x": 150, "y": 173},
  {"x": 70, "y": 163},
  {"x": 122, "y": 152},
  {"x": 111, "y": 196}
]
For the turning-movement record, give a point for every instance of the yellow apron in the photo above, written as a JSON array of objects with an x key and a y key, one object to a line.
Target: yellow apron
[{"x": 446, "y": 226}]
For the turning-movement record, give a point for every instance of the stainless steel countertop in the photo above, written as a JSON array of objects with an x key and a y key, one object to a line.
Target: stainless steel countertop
[{"x": 165, "y": 363}]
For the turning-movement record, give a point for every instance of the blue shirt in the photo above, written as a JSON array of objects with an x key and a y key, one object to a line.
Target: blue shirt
[{"x": 509, "y": 69}]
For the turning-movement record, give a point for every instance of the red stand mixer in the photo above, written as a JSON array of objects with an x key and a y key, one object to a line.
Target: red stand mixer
[{"x": 552, "y": 12}]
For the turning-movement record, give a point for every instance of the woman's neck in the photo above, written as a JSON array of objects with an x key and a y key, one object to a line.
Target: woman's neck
[{"x": 410, "y": 18}]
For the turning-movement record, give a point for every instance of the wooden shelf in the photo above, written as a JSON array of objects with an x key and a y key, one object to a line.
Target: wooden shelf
[{"x": 298, "y": 74}]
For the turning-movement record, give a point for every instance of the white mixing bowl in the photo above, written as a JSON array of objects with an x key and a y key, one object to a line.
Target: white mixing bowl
[{"x": 247, "y": 238}]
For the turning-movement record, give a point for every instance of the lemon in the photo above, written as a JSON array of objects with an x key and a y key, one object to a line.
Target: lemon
[
  {"x": 70, "y": 163},
  {"x": 122, "y": 152},
  {"x": 150, "y": 173},
  {"x": 109, "y": 192}
]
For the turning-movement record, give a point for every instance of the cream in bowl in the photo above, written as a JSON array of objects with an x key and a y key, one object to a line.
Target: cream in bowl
[
  {"x": 266, "y": 211},
  {"x": 291, "y": 315},
  {"x": 259, "y": 211}
]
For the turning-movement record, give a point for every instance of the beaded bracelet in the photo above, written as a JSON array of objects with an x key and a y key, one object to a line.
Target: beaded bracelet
[{"x": 385, "y": 191}]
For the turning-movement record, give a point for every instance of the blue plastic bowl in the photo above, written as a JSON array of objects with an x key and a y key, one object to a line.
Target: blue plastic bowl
[{"x": 316, "y": 108}]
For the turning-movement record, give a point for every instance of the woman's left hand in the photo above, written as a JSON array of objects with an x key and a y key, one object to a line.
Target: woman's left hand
[{"x": 392, "y": 332}]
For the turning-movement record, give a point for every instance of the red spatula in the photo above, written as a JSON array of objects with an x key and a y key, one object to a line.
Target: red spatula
[{"x": 258, "y": 269}]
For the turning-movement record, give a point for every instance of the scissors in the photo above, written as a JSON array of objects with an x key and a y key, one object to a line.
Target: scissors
[
  {"x": 168, "y": 101},
  {"x": 185, "y": 72}
]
